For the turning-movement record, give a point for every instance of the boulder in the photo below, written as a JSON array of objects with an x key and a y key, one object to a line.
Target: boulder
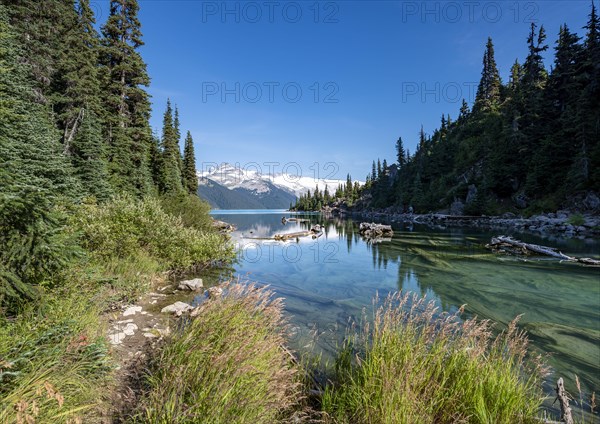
[
  {"x": 193, "y": 285},
  {"x": 176, "y": 308},
  {"x": 591, "y": 201},
  {"x": 372, "y": 230}
]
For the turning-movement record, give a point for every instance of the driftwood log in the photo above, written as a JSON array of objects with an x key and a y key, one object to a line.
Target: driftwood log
[
  {"x": 563, "y": 398},
  {"x": 516, "y": 247},
  {"x": 315, "y": 231},
  {"x": 372, "y": 230},
  {"x": 285, "y": 220}
]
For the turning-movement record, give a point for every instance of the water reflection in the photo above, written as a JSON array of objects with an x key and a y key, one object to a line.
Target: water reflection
[{"x": 329, "y": 280}]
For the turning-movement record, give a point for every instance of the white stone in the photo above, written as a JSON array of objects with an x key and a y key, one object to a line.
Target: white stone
[
  {"x": 176, "y": 308},
  {"x": 194, "y": 285},
  {"x": 132, "y": 310}
]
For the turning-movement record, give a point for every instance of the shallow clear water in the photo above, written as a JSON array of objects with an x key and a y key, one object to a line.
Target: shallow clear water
[{"x": 330, "y": 280}]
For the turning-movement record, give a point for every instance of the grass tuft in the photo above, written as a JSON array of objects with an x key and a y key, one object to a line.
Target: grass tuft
[
  {"x": 228, "y": 366},
  {"x": 412, "y": 364}
]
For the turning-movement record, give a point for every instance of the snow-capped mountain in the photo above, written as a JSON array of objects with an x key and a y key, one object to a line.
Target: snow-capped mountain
[{"x": 234, "y": 177}]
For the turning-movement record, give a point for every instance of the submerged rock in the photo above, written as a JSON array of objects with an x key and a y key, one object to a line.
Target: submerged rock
[
  {"x": 176, "y": 308},
  {"x": 193, "y": 285}
]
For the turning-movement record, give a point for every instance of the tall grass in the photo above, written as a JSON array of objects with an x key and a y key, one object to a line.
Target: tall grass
[
  {"x": 228, "y": 366},
  {"x": 54, "y": 361},
  {"x": 413, "y": 365}
]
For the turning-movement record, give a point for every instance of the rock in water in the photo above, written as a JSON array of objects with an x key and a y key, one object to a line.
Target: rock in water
[
  {"x": 372, "y": 230},
  {"x": 194, "y": 285},
  {"x": 176, "y": 308}
]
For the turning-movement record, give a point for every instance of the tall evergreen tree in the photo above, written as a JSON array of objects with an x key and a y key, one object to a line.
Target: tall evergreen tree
[
  {"x": 488, "y": 91},
  {"x": 534, "y": 72},
  {"x": 125, "y": 99},
  {"x": 78, "y": 104},
  {"x": 189, "y": 165},
  {"x": 400, "y": 153},
  {"x": 76, "y": 82},
  {"x": 176, "y": 126},
  {"x": 171, "y": 174},
  {"x": 464, "y": 111}
]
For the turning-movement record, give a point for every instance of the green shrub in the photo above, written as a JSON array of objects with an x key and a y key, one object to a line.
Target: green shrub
[
  {"x": 410, "y": 366},
  {"x": 193, "y": 211},
  {"x": 576, "y": 219},
  {"x": 228, "y": 365},
  {"x": 126, "y": 227}
]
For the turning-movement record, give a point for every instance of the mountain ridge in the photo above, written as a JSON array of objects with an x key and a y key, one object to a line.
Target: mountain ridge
[{"x": 230, "y": 186}]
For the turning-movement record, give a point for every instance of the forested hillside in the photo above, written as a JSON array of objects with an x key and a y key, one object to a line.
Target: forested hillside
[
  {"x": 530, "y": 143},
  {"x": 74, "y": 112}
]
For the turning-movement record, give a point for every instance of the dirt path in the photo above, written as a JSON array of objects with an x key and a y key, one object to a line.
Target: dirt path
[{"x": 133, "y": 332}]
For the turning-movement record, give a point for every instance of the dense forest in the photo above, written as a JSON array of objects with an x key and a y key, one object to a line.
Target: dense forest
[
  {"x": 74, "y": 111},
  {"x": 530, "y": 143},
  {"x": 315, "y": 200}
]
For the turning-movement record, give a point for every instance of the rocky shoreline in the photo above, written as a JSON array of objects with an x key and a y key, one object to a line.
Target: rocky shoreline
[{"x": 561, "y": 223}]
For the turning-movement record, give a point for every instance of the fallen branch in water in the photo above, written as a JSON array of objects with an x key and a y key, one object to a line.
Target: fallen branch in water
[
  {"x": 315, "y": 232},
  {"x": 516, "y": 247},
  {"x": 563, "y": 398}
]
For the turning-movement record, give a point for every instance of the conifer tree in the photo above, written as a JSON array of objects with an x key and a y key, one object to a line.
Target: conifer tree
[
  {"x": 170, "y": 163},
  {"x": 189, "y": 165},
  {"x": 156, "y": 163},
  {"x": 176, "y": 125},
  {"x": 125, "y": 100},
  {"x": 464, "y": 111},
  {"x": 488, "y": 91},
  {"x": 78, "y": 104},
  {"x": 76, "y": 82},
  {"x": 534, "y": 73},
  {"x": 400, "y": 153}
]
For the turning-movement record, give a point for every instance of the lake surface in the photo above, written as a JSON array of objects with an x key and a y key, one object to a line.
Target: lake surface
[{"x": 328, "y": 281}]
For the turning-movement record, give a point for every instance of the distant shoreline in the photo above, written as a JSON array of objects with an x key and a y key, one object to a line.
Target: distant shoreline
[{"x": 563, "y": 223}]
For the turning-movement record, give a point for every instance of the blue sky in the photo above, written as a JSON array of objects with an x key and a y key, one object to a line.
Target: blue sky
[{"x": 318, "y": 82}]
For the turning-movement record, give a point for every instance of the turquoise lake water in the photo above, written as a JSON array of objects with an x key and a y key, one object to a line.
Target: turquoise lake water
[{"x": 330, "y": 280}]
